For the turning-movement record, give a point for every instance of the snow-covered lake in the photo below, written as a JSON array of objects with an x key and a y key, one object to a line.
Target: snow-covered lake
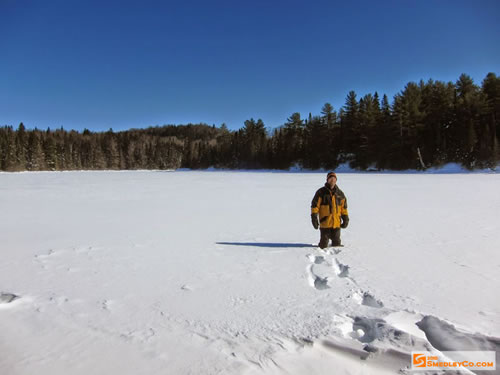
[{"x": 188, "y": 272}]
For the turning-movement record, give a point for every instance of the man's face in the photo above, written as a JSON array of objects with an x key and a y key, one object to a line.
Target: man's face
[{"x": 332, "y": 181}]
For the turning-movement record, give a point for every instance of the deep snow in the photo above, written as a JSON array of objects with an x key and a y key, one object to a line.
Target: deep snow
[{"x": 215, "y": 272}]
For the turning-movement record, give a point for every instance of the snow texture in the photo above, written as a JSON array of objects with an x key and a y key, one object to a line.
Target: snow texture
[{"x": 218, "y": 272}]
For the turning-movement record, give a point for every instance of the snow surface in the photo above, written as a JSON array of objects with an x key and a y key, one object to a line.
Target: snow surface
[{"x": 186, "y": 272}]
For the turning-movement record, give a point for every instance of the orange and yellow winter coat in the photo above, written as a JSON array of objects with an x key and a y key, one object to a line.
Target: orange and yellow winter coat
[{"x": 330, "y": 204}]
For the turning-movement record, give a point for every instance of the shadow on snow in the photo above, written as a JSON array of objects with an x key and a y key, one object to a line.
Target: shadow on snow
[{"x": 266, "y": 244}]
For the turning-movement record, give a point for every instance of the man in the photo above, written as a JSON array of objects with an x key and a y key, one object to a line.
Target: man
[{"x": 331, "y": 205}]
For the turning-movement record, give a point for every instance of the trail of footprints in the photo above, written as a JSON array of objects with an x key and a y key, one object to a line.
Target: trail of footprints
[
  {"x": 47, "y": 261},
  {"x": 321, "y": 271},
  {"x": 427, "y": 332},
  {"x": 68, "y": 259}
]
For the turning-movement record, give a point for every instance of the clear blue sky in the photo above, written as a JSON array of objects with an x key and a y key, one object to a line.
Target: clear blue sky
[{"x": 101, "y": 64}]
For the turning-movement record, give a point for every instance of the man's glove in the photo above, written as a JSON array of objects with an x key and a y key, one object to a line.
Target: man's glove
[
  {"x": 345, "y": 221},
  {"x": 315, "y": 222}
]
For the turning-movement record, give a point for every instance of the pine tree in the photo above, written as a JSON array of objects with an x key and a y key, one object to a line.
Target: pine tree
[
  {"x": 21, "y": 147},
  {"x": 329, "y": 115},
  {"x": 491, "y": 90},
  {"x": 349, "y": 126},
  {"x": 35, "y": 159},
  {"x": 294, "y": 131},
  {"x": 49, "y": 150}
]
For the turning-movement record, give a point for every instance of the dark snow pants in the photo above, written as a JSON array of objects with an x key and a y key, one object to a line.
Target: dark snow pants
[{"x": 327, "y": 234}]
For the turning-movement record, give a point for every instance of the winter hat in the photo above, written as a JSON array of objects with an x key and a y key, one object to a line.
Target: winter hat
[{"x": 330, "y": 174}]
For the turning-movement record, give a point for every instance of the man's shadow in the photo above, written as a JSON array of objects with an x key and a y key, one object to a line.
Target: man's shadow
[{"x": 266, "y": 244}]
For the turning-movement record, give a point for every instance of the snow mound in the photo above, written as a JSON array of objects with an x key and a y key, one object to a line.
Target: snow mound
[{"x": 445, "y": 337}]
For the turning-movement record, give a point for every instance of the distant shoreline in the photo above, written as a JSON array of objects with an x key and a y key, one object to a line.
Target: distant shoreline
[{"x": 451, "y": 168}]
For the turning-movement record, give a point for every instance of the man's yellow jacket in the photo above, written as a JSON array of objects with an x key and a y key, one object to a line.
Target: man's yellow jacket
[{"x": 331, "y": 205}]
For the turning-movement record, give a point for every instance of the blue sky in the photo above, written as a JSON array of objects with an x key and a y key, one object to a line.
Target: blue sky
[{"x": 132, "y": 64}]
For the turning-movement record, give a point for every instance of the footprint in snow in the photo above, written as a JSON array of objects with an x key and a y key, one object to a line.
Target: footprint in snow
[
  {"x": 370, "y": 300},
  {"x": 316, "y": 281},
  {"x": 342, "y": 270},
  {"x": 367, "y": 299},
  {"x": 321, "y": 270},
  {"x": 316, "y": 259},
  {"x": 7, "y": 298},
  {"x": 318, "y": 272}
]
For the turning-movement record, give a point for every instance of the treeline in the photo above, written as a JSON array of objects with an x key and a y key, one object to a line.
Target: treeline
[{"x": 427, "y": 124}]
